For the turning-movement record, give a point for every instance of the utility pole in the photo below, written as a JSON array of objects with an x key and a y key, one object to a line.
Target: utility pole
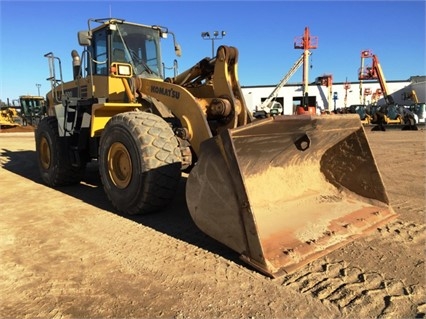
[{"x": 215, "y": 36}]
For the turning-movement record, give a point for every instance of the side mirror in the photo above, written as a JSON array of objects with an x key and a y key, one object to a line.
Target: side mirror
[{"x": 84, "y": 38}]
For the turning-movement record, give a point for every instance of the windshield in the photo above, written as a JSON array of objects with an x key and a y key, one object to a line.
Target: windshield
[
  {"x": 31, "y": 105},
  {"x": 138, "y": 46}
]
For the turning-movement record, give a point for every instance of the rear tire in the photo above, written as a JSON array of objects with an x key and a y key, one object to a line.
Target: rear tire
[
  {"x": 53, "y": 157},
  {"x": 139, "y": 162},
  {"x": 409, "y": 124}
]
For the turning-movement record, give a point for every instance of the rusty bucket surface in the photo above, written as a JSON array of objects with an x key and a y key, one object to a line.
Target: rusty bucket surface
[{"x": 287, "y": 190}]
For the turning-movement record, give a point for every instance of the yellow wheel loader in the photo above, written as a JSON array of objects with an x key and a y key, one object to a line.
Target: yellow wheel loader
[
  {"x": 280, "y": 191},
  {"x": 8, "y": 117}
]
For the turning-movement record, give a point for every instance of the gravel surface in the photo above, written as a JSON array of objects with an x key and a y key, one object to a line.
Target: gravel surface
[{"x": 67, "y": 254}]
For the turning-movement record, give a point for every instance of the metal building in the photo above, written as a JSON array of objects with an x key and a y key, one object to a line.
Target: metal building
[{"x": 337, "y": 96}]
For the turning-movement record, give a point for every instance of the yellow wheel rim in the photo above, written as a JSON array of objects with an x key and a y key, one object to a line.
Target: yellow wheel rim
[
  {"x": 119, "y": 165},
  {"x": 45, "y": 157}
]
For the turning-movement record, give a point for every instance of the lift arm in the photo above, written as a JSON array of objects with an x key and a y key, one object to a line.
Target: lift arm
[{"x": 382, "y": 80}]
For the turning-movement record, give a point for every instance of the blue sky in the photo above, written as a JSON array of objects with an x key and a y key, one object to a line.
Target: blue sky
[{"x": 262, "y": 31}]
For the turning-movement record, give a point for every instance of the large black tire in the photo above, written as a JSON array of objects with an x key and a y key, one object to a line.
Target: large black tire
[
  {"x": 53, "y": 156},
  {"x": 139, "y": 162},
  {"x": 409, "y": 124}
]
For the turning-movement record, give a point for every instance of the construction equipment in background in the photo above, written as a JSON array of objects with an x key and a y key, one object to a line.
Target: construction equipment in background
[
  {"x": 271, "y": 107},
  {"x": 363, "y": 111},
  {"x": 306, "y": 43},
  {"x": 376, "y": 96},
  {"x": 419, "y": 109},
  {"x": 389, "y": 113},
  {"x": 346, "y": 87},
  {"x": 374, "y": 72},
  {"x": 33, "y": 109},
  {"x": 8, "y": 117},
  {"x": 367, "y": 92},
  {"x": 327, "y": 81},
  {"x": 277, "y": 190},
  {"x": 411, "y": 95},
  {"x": 416, "y": 107}
]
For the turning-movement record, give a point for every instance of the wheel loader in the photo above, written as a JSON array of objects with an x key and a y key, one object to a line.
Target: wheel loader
[
  {"x": 280, "y": 191},
  {"x": 8, "y": 117}
]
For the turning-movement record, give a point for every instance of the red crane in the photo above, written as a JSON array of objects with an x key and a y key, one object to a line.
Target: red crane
[
  {"x": 306, "y": 42},
  {"x": 374, "y": 72}
]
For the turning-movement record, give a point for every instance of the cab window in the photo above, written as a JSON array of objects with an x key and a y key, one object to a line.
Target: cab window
[{"x": 100, "y": 57}]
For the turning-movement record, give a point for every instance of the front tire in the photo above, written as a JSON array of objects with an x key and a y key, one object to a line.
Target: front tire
[
  {"x": 139, "y": 162},
  {"x": 53, "y": 157}
]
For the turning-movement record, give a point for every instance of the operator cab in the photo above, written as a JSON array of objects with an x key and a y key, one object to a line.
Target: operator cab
[
  {"x": 117, "y": 41},
  {"x": 276, "y": 109}
]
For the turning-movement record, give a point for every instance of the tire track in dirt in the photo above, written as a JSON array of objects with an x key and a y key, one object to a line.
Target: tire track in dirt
[
  {"x": 363, "y": 293},
  {"x": 404, "y": 231},
  {"x": 359, "y": 293}
]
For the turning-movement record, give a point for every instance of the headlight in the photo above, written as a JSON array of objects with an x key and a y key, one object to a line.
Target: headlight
[{"x": 121, "y": 70}]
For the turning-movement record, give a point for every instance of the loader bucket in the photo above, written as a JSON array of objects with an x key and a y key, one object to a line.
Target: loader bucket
[{"x": 285, "y": 191}]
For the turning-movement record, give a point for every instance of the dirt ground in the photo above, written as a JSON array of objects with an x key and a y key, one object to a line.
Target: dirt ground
[{"x": 66, "y": 253}]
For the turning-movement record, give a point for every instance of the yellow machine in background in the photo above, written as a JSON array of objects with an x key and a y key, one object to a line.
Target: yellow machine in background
[
  {"x": 28, "y": 110},
  {"x": 8, "y": 117},
  {"x": 418, "y": 108},
  {"x": 280, "y": 191},
  {"x": 390, "y": 112}
]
